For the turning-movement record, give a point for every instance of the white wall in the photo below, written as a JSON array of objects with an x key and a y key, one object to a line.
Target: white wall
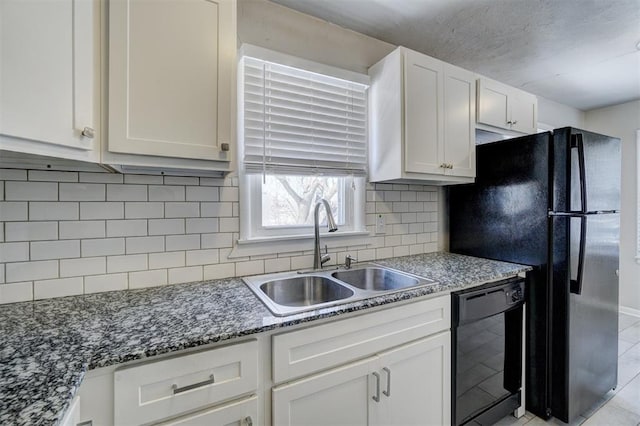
[
  {"x": 275, "y": 27},
  {"x": 555, "y": 115},
  {"x": 622, "y": 121}
]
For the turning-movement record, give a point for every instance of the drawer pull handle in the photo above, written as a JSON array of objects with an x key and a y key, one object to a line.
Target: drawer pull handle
[
  {"x": 376, "y": 397},
  {"x": 248, "y": 421},
  {"x": 388, "y": 391},
  {"x": 176, "y": 389}
]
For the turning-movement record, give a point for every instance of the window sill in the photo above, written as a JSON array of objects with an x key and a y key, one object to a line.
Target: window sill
[{"x": 296, "y": 243}]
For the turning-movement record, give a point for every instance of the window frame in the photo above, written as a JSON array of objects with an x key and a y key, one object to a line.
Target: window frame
[{"x": 251, "y": 229}]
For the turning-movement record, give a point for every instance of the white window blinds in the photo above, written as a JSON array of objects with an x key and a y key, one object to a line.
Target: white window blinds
[{"x": 300, "y": 122}]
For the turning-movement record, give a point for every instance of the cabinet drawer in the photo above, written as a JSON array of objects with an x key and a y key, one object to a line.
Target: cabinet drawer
[
  {"x": 306, "y": 351},
  {"x": 237, "y": 413},
  {"x": 161, "y": 389}
]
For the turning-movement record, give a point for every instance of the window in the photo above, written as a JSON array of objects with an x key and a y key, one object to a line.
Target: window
[{"x": 303, "y": 137}]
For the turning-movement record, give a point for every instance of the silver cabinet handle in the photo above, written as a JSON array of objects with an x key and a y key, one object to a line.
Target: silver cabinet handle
[
  {"x": 224, "y": 147},
  {"x": 443, "y": 165},
  {"x": 88, "y": 132},
  {"x": 388, "y": 391},
  {"x": 176, "y": 389},
  {"x": 376, "y": 397},
  {"x": 248, "y": 421}
]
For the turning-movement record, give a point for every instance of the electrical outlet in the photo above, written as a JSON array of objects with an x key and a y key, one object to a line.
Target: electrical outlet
[{"x": 380, "y": 225}]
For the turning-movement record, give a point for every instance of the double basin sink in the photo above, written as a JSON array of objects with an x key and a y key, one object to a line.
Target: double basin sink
[{"x": 291, "y": 292}]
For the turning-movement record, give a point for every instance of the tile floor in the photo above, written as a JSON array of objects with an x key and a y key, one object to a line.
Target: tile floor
[{"x": 620, "y": 407}]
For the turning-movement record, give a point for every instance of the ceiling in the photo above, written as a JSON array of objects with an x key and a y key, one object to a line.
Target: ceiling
[{"x": 580, "y": 53}]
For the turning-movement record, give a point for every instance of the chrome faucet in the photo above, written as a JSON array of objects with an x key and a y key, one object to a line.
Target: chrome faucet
[{"x": 319, "y": 259}]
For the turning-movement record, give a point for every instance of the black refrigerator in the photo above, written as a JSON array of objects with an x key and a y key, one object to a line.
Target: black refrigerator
[{"x": 551, "y": 200}]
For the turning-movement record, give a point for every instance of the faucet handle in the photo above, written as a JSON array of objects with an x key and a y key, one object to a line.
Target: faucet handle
[{"x": 348, "y": 260}]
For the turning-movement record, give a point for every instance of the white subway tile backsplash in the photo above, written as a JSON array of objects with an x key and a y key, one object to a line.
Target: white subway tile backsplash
[
  {"x": 202, "y": 193},
  {"x": 117, "y": 192},
  {"x": 202, "y": 257},
  {"x": 229, "y": 224},
  {"x": 31, "y": 231},
  {"x": 214, "y": 272},
  {"x": 101, "y": 210},
  {"x": 218, "y": 240},
  {"x": 29, "y": 271},
  {"x": 82, "y": 192},
  {"x": 183, "y": 275},
  {"x": 13, "y": 211},
  {"x": 144, "y": 279},
  {"x": 63, "y": 249},
  {"x": 16, "y": 292},
  {"x": 182, "y": 242},
  {"x": 216, "y": 209},
  {"x": 53, "y": 210},
  {"x": 14, "y": 252},
  {"x": 276, "y": 265},
  {"x": 176, "y": 210},
  {"x": 57, "y": 288},
  {"x": 229, "y": 193},
  {"x": 13, "y": 174},
  {"x": 83, "y": 266},
  {"x": 143, "y": 179},
  {"x": 170, "y": 259},
  {"x": 202, "y": 225},
  {"x": 166, "y": 193},
  {"x": 126, "y": 228},
  {"x": 181, "y": 180},
  {"x": 144, "y": 210},
  {"x": 113, "y": 232},
  {"x": 82, "y": 229},
  {"x": 145, "y": 245},
  {"x": 30, "y": 191},
  {"x": 102, "y": 247},
  {"x": 52, "y": 176},
  {"x": 100, "y": 177},
  {"x": 109, "y": 282},
  {"x": 166, "y": 226},
  {"x": 127, "y": 263}
]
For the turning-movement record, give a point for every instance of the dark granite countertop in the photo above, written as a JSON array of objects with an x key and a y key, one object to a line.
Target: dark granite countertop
[{"x": 47, "y": 346}]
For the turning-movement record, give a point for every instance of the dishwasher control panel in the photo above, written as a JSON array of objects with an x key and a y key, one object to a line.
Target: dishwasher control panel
[{"x": 473, "y": 304}]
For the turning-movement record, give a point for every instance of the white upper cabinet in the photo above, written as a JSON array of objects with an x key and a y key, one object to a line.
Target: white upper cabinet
[
  {"x": 172, "y": 78},
  {"x": 506, "y": 107},
  {"x": 49, "y": 78},
  {"x": 422, "y": 120}
]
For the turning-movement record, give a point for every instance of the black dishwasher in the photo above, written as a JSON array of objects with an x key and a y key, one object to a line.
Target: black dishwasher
[{"x": 487, "y": 352}]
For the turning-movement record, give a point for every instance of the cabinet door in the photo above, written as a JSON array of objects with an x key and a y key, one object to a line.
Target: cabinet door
[
  {"x": 171, "y": 77},
  {"x": 524, "y": 112},
  {"x": 416, "y": 383},
  {"x": 424, "y": 121},
  {"x": 238, "y": 413},
  {"x": 493, "y": 103},
  {"x": 336, "y": 397},
  {"x": 459, "y": 121},
  {"x": 48, "y": 73}
]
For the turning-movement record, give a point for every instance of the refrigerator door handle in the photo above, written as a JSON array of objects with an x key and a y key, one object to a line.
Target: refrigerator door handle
[
  {"x": 578, "y": 143},
  {"x": 575, "y": 286}
]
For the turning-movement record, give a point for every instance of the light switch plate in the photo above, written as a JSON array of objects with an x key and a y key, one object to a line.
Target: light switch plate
[{"x": 380, "y": 225}]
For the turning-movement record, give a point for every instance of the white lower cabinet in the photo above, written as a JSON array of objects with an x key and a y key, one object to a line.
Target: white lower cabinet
[
  {"x": 164, "y": 389},
  {"x": 335, "y": 397},
  {"x": 238, "y": 413},
  {"x": 407, "y": 385}
]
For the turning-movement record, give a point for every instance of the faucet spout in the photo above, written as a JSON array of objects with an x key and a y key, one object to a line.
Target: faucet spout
[{"x": 318, "y": 258}]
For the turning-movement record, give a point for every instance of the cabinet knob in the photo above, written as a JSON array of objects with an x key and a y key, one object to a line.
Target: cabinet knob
[
  {"x": 224, "y": 147},
  {"x": 88, "y": 132},
  {"x": 514, "y": 122},
  {"x": 248, "y": 421},
  {"x": 451, "y": 166},
  {"x": 443, "y": 166}
]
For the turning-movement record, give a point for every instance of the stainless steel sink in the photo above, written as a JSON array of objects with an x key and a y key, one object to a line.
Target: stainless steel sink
[
  {"x": 376, "y": 279},
  {"x": 289, "y": 293},
  {"x": 305, "y": 291}
]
